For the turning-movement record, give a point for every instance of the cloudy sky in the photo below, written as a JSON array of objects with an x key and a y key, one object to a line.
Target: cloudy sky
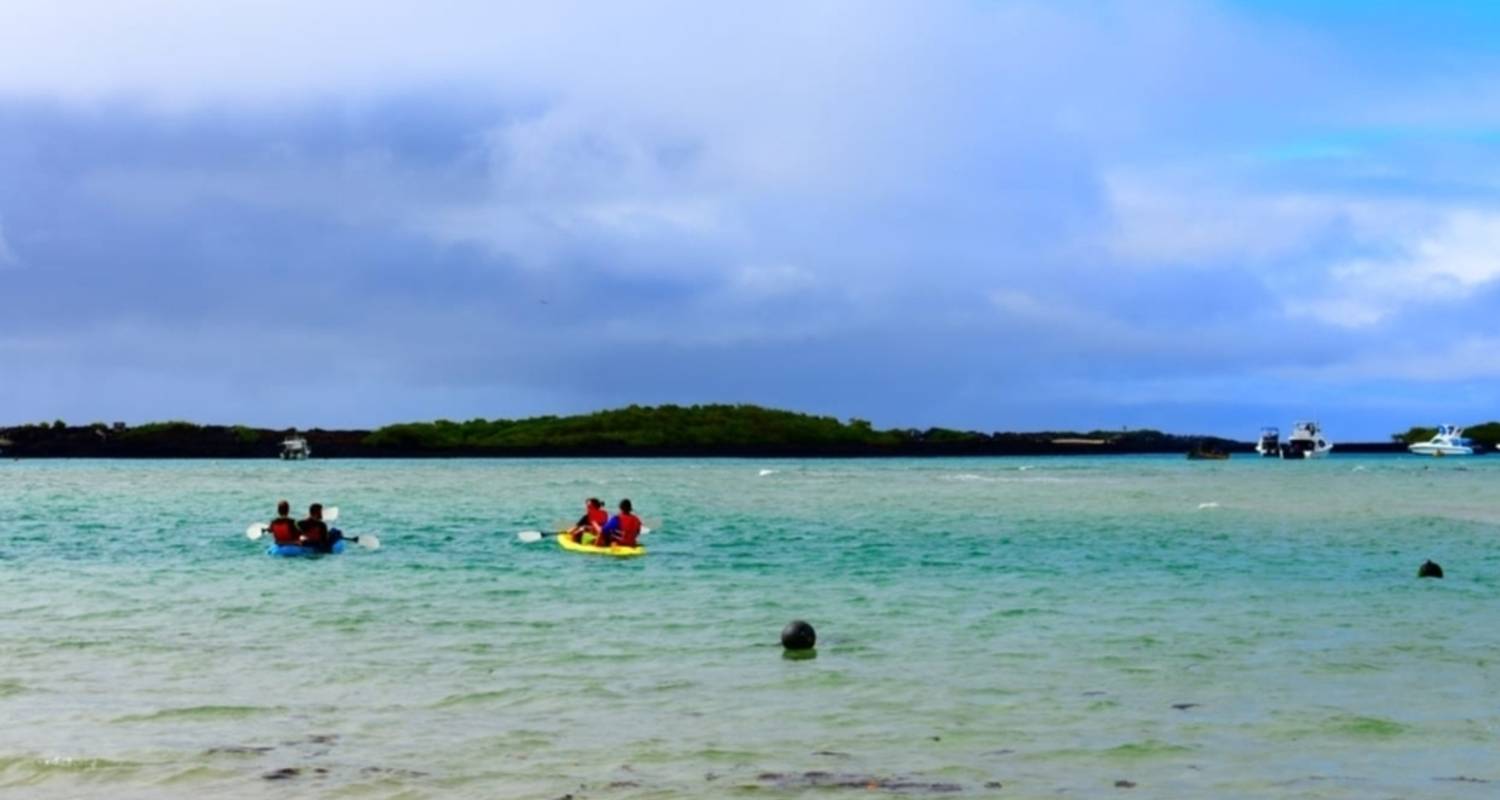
[{"x": 1197, "y": 216}]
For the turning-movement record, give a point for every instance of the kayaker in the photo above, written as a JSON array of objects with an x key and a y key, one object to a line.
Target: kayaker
[
  {"x": 283, "y": 529},
  {"x": 314, "y": 531},
  {"x": 594, "y": 517},
  {"x": 622, "y": 529}
]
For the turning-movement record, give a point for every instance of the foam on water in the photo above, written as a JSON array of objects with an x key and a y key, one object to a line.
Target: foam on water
[{"x": 1056, "y": 635}]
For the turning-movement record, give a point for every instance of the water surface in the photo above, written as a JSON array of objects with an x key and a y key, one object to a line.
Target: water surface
[{"x": 1232, "y": 629}]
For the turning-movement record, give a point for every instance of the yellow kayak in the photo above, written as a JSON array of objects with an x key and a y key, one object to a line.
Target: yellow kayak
[{"x": 614, "y": 550}]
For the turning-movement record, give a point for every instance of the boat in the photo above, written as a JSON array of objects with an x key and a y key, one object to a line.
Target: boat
[
  {"x": 565, "y": 540},
  {"x": 1269, "y": 443},
  {"x": 294, "y": 448},
  {"x": 298, "y": 551},
  {"x": 1448, "y": 441},
  {"x": 1306, "y": 441},
  {"x": 1205, "y": 453}
]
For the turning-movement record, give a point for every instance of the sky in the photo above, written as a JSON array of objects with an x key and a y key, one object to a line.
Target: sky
[{"x": 1202, "y": 217}]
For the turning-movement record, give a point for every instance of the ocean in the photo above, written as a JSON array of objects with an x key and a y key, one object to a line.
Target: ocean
[{"x": 1000, "y": 627}]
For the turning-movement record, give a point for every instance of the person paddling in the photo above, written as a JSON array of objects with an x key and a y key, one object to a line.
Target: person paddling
[
  {"x": 594, "y": 517},
  {"x": 314, "y": 531},
  {"x": 283, "y": 529},
  {"x": 623, "y": 529}
]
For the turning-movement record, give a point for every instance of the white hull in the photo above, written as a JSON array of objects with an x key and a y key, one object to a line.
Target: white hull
[
  {"x": 1306, "y": 442},
  {"x": 1440, "y": 450}
]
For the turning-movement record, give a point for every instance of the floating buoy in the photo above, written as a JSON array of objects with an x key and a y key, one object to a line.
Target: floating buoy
[
  {"x": 798, "y": 635},
  {"x": 1429, "y": 569}
]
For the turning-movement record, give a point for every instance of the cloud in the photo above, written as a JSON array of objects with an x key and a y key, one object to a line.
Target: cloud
[
  {"x": 7, "y": 255},
  {"x": 1432, "y": 269},
  {"x": 479, "y": 209}
]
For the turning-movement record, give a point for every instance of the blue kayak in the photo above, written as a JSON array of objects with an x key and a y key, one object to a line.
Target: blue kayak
[{"x": 298, "y": 551}]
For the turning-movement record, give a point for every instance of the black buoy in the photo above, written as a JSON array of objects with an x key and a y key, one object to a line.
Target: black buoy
[
  {"x": 798, "y": 635},
  {"x": 1429, "y": 569}
]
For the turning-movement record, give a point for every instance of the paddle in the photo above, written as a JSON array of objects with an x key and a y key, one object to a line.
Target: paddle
[{"x": 368, "y": 541}]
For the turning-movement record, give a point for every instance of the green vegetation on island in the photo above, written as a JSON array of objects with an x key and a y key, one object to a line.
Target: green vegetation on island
[
  {"x": 642, "y": 427},
  {"x": 745, "y": 428}
]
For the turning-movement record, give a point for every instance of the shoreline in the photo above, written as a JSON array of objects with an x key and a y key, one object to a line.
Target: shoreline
[
  {"x": 720, "y": 431},
  {"x": 326, "y": 452}
]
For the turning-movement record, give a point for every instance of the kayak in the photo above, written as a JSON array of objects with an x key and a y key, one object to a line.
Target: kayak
[
  {"x": 614, "y": 550},
  {"x": 298, "y": 551}
]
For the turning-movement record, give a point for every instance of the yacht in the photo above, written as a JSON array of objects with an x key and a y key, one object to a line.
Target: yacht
[
  {"x": 294, "y": 448},
  {"x": 1269, "y": 443},
  {"x": 1306, "y": 441},
  {"x": 1449, "y": 441}
]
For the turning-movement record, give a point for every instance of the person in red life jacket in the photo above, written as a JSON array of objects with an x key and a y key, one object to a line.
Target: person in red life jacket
[
  {"x": 314, "y": 531},
  {"x": 623, "y": 529},
  {"x": 594, "y": 517},
  {"x": 283, "y": 529}
]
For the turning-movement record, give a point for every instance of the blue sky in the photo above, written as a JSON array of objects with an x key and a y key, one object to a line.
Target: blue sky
[{"x": 1202, "y": 217}]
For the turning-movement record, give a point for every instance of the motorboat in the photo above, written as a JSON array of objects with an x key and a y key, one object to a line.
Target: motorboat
[
  {"x": 294, "y": 448},
  {"x": 1205, "y": 453},
  {"x": 1306, "y": 441},
  {"x": 1269, "y": 443},
  {"x": 1449, "y": 441}
]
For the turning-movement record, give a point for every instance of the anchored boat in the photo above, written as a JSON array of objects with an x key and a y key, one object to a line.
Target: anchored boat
[
  {"x": 1306, "y": 441},
  {"x": 1449, "y": 441},
  {"x": 294, "y": 448},
  {"x": 1269, "y": 443}
]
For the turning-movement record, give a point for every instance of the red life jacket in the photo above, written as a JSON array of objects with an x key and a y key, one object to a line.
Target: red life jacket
[
  {"x": 284, "y": 531},
  {"x": 630, "y": 530},
  {"x": 598, "y": 516}
]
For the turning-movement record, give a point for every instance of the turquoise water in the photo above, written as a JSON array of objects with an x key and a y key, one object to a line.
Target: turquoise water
[{"x": 1233, "y": 629}]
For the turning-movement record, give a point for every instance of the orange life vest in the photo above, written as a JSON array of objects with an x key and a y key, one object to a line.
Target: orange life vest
[{"x": 630, "y": 530}]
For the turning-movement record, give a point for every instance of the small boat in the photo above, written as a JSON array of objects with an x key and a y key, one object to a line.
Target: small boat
[
  {"x": 566, "y": 542},
  {"x": 1269, "y": 443},
  {"x": 1306, "y": 441},
  {"x": 1205, "y": 453},
  {"x": 1449, "y": 441},
  {"x": 294, "y": 448}
]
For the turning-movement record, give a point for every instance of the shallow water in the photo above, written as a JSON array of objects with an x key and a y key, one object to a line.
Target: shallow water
[{"x": 1231, "y": 629}]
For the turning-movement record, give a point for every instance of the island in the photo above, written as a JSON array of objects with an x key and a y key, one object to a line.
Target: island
[{"x": 717, "y": 430}]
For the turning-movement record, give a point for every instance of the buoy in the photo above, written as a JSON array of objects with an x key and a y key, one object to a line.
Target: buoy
[
  {"x": 798, "y": 635},
  {"x": 1429, "y": 569}
]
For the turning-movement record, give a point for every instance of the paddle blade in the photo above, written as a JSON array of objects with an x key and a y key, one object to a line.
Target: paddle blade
[
  {"x": 368, "y": 541},
  {"x": 330, "y": 514},
  {"x": 527, "y": 537},
  {"x": 255, "y": 531},
  {"x": 649, "y": 525}
]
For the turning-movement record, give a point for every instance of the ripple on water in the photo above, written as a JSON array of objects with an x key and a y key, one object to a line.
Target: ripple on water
[
  {"x": 200, "y": 713},
  {"x": 31, "y": 770}
]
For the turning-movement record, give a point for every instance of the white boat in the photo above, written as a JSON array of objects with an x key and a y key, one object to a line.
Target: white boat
[
  {"x": 294, "y": 448},
  {"x": 1449, "y": 441},
  {"x": 1306, "y": 441},
  {"x": 1269, "y": 443}
]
